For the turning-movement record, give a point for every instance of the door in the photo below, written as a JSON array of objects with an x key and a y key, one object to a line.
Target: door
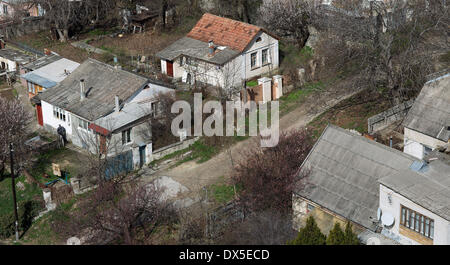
[
  {"x": 39, "y": 115},
  {"x": 142, "y": 156},
  {"x": 170, "y": 68},
  {"x": 102, "y": 144}
]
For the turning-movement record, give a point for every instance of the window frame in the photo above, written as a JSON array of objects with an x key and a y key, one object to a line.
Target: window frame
[
  {"x": 126, "y": 136},
  {"x": 254, "y": 65},
  {"x": 266, "y": 51},
  {"x": 416, "y": 222}
]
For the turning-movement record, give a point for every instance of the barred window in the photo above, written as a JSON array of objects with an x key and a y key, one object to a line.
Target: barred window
[{"x": 417, "y": 222}]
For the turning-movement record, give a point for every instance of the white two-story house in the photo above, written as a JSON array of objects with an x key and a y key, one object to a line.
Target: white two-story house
[
  {"x": 221, "y": 52},
  {"x": 105, "y": 110}
]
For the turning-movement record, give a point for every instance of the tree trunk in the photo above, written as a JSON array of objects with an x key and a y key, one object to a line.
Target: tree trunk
[{"x": 61, "y": 35}]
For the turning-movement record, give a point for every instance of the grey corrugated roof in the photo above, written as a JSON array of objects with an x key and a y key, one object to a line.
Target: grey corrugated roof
[
  {"x": 429, "y": 188},
  {"x": 345, "y": 169},
  {"x": 128, "y": 114},
  {"x": 103, "y": 83},
  {"x": 430, "y": 113},
  {"x": 39, "y": 80},
  {"x": 196, "y": 49},
  {"x": 42, "y": 61},
  {"x": 16, "y": 56}
]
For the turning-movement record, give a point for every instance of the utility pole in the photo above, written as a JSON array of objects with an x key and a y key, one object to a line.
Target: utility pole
[{"x": 11, "y": 153}]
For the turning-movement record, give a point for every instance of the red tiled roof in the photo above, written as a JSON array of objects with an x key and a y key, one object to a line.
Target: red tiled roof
[
  {"x": 224, "y": 32},
  {"x": 99, "y": 129}
]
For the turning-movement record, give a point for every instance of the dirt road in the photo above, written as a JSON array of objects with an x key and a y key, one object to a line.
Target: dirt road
[{"x": 196, "y": 176}]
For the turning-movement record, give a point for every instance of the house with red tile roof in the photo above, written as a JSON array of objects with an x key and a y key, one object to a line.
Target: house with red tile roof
[{"x": 221, "y": 52}]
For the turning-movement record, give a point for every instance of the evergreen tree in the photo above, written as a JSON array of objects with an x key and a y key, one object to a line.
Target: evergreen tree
[
  {"x": 336, "y": 235},
  {"x": 350, "y": 238},
  {"x": 309, "y": 235}
]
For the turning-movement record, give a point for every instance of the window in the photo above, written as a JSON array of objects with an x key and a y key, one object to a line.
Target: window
[
  {"x": 5, "y": 9},
  {"x": 83, "y": 124},
  {"x": 417, "y": 222},
  {"x": 310, "y": 207},
  {"x": 126, "y": 136},
  {"x": 253, "y": 60},
  {"x": 155, "y": 108},
  {"x": 59, "y": 113},
  {"x": 181, "y": 61},
  {"x": 29, "y": 87},
  {"x": 265, "y": 56}
]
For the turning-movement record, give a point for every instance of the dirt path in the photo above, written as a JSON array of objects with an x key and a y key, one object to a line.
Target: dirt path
[{"x": 196, "y": 176}]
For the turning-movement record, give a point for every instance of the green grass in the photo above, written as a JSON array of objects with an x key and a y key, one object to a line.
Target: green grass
[
  {"x": 99, "y": 32},
  {"x": 31, "y": 192},
  {"x": 252, "y": 83},
  {"x": 15, "y": 93},
  {"x": 352, "y": 117},
  {"x": 222, "y": 192},
  {"x": 200, "y": 152}
]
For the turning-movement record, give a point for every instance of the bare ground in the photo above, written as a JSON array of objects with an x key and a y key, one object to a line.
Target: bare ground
[{"x": 197, "y": 176}]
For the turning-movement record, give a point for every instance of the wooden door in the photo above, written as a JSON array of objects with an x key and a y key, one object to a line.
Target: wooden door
[
  {"x": 169, "y": 68},
  {"x": 39, "y": 115}
]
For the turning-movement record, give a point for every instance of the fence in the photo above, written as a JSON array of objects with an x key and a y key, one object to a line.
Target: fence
[
  {"x": 384, "y": 119},
  {"x": 28, "y": 25},
  {"x": 167, "y": 150}
]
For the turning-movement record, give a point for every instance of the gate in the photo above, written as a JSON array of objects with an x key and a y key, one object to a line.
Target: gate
[{"x": 120, "y": 164}]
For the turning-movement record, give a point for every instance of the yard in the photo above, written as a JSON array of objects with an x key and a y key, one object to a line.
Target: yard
[{"x": 351, "y": 113}]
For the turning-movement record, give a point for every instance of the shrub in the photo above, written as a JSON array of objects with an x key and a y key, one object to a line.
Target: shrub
[
  {"x": 309, "y": 235},
  {"x": 350, "y": 238},
  {"x": 336, "y": 236}
]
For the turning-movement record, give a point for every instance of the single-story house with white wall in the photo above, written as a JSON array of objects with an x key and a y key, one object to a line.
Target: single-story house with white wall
[
  {"x": 221, "y": 52},
  {"x": 48, "y": 76},
  {"x": 343, "y": 170},
  {"x": 12, "y": 59},
  {"x": 343, "y": 176},
  {"x": 427, "y": 125},
  {"x": 105, "y": 110},
  {"x": 418, "y": 202}
]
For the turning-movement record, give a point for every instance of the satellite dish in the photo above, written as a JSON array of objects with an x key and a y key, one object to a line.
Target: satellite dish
[
  {"x": 373, "y": 241},
  {"x": 73, "y": 241},
  {"x": 387, "y": 219},
  {"x": 379, "y": 214}
]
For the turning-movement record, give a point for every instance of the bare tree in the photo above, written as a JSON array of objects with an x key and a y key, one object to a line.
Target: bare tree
[
  {"x": 261, "y": 228},
  {"x": 287, "y": 18},
  {"x": 14, "y": 120},
  {"x": 389, "y": 43},
  {"x": 119, "y": 212},
  {"x": 269, "y": 176}
]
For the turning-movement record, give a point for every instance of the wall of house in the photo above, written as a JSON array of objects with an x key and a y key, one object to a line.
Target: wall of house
[
  {"x": 390, "y": 201},
  {"x": 302, "y": 209},
  {"x": 51, "y": 123},
  {"x": 11, "y": 66},
  {"x": 266, "y": 42},
  {"x": 415, "y": 143}
]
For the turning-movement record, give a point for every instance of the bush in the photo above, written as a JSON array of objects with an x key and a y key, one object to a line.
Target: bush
[
  {"x": 309, "y": 235},
  {"x": 28, "y": 210},
  {"x": 336, "y": 236}
]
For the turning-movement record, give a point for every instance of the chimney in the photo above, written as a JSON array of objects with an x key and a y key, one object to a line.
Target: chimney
[
  {"x": 82, "y": 89},
  {"x": 117, "y": 108},
  {"x": 211, "y": 47},
  {"x": 2, "y": 44},
  {"x": 47, "y": 51}
]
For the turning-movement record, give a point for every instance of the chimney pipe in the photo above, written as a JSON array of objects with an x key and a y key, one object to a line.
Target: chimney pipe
[
  {"x": 82, "y": 89},
  {"x": 211, "y": 47},
  {"x": 117, "y": 108},
  {"x": 390, "y": 141}
]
